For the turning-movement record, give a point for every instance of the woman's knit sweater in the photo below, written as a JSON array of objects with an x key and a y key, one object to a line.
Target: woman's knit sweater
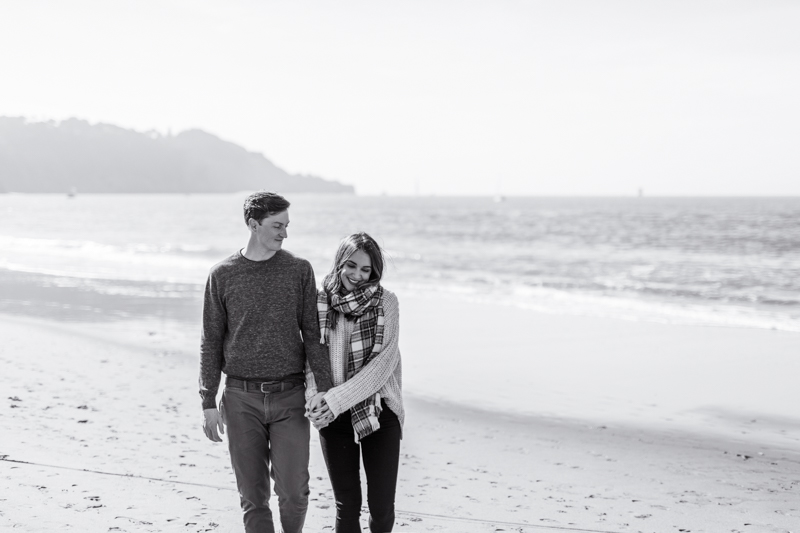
[{"x": 383, "y": 374}]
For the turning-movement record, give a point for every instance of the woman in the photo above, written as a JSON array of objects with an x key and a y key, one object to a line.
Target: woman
[{"x": 361, "y": 417}]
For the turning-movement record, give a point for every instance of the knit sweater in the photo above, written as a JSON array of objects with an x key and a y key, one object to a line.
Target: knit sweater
[
  {"x": 383, "y": 374},
  {"x": 260, "y": 323}
]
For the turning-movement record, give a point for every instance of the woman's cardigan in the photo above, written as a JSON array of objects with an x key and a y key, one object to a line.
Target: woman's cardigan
[{"x": 383, "y": 373}]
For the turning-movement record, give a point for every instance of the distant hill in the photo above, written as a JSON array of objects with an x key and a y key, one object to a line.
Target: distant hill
[{"x": 47, "y": 157}]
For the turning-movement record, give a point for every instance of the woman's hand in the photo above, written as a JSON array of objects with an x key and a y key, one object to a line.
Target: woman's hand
[
  {"x": 318, "y": 411},
  {"x": 313, "y": 403},
  {"x": 321, "y": 420}
]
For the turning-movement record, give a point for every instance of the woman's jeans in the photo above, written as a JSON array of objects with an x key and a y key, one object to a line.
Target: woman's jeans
[
  {"x": 381, "y": 453},
  {"x": 268, "y": 434}
]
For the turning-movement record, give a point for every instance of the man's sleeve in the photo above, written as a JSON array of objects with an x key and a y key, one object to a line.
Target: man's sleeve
[
  {"x": 316, "y": 353},
  {"x": 213, "y": 334}
]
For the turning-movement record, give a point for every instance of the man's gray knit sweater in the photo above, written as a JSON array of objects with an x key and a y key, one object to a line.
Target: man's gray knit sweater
[{"x": 260, "y": 323}]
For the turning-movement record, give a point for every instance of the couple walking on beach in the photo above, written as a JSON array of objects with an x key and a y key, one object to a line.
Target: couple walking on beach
[{"x": 294, "y": 356}]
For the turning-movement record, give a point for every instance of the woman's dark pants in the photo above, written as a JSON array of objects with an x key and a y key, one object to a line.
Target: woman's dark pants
[{"x": 381, "y": 453}]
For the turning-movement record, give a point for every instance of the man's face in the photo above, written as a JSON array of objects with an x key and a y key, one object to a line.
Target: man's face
[{"x": 271, "y": 231}]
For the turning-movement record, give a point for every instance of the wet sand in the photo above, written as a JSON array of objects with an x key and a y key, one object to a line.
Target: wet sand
[{"x": 102, "y": 433}]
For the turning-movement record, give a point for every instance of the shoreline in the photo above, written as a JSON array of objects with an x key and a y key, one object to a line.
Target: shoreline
[
  {"x": 604, "y": 371},
  {"x": 594, "y": 370},
  {"x": 51, "y": 294},
  {"x": 585, "y": 368}
]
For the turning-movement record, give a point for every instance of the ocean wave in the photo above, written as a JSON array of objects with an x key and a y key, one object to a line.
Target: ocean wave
[
  {"x": 624, "y": 307},
  {"x": 93, "y": 249},
  {"x": 93, "y": 260},
  {"x": 701, "y": 261}
]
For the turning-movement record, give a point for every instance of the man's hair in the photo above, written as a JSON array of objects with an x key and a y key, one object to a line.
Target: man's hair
[{"x": 262, "y": 204}]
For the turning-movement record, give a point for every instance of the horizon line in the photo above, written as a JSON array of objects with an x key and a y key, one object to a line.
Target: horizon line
[{"x": 497, "y": 197}]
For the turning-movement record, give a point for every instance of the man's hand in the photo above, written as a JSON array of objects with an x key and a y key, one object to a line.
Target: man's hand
[{"x": 212, "y": 421}]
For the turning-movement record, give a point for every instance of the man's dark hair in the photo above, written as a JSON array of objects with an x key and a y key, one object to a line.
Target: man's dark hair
[{"x": 262, "y": 204}]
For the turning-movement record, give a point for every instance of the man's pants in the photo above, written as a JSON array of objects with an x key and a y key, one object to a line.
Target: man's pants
[{"x": 268, "y": 435}]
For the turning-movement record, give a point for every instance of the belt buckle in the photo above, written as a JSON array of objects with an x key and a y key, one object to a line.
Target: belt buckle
[{"x": 261, "y": 386}]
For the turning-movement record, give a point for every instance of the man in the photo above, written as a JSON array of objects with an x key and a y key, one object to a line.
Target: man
[{"x": 260, "y": 327}]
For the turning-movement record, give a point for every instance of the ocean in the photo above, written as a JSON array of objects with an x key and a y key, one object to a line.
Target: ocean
[{"x": 705, "y": 261}]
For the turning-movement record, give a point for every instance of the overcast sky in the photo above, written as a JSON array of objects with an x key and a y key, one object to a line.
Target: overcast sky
[{"x": 437, "y": 97}]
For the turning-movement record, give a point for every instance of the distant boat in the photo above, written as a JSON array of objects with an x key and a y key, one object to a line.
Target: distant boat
[
  {"x": 499, "y": 199},
  {"x": 72, "y": 193}
]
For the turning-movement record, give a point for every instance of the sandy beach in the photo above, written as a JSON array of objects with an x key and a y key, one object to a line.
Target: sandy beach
[{"x": 105, "y": 432}]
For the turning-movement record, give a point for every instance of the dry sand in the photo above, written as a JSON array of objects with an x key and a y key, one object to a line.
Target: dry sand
[{"x": 101, "y": 432}]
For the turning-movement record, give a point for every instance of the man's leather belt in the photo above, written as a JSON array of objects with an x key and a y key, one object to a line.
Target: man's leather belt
[{"x": 263, "y": 386}]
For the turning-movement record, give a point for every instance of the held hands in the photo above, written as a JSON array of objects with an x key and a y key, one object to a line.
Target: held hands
[
  {"x": 212, "y": 421},
  {"x": 318, "y": 411}
]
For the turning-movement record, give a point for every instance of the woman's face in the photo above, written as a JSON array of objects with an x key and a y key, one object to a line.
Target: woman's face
[{"x": 357, "y": 270}]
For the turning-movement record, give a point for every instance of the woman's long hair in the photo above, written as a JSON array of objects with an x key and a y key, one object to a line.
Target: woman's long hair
[{"x": 332, "y": 282}]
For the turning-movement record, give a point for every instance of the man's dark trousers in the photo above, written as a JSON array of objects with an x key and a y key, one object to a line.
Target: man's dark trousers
[{"x": 268, "y": 435}]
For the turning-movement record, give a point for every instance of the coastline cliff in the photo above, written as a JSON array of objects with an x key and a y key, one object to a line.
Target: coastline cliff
[{"x": 56, "y": 157}]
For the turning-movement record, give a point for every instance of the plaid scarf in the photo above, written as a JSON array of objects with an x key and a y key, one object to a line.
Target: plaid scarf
[{"x": 366, "y": 305}]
